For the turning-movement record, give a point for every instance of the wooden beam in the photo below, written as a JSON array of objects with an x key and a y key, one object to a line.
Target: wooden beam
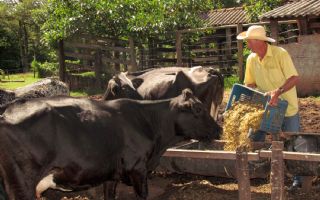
[
  {"x": 288, "y": 155},
  {"x": 79, "y": 56},
  {"x": 208, "y": 154},
  {"x": 178, "y": 49},
  {"x": 62, "y": 65},
  {"x": 118, "y": 61},
  {"x": 240, "y": 54},
  {"x": 303, "y": 26},
  {"x": 274, "y": 30},
  {"x": 277, "y": 171},
  {"x": 243, "y": 174},
  {"x": 133, "y": 63}
]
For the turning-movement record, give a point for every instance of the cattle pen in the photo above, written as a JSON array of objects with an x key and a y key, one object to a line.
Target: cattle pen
[{"x": 276, "y": 155}]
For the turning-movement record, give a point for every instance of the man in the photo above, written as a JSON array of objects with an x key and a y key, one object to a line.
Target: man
[{"x": 270, "y": 69}]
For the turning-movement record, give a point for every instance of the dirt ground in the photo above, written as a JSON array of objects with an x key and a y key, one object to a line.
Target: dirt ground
[{"x": 173, "y": 186}]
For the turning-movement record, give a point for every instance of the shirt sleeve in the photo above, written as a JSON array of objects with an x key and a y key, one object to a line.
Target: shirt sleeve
[
  {"x": 248, "y": 77},
  {"x": 287, "y": 65}
]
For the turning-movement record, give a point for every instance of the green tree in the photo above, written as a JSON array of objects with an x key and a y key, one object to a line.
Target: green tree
[
  {"x": 121, "y": 18},
  {"x": 9, "y": 46},
  {"x": 257, "y": 7},
  {"x": 16, "y": 18}
]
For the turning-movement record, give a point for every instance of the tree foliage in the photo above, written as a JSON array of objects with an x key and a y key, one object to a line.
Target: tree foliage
[
  {"x": 257, "y": 7},
  {"x": 121, "y": 18}
]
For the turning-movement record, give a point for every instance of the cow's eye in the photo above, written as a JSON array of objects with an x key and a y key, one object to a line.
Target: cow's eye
[{"x": 197, "y": 110}]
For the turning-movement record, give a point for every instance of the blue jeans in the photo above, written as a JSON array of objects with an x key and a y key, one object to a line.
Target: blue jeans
[{"x": 290, "y": 124}]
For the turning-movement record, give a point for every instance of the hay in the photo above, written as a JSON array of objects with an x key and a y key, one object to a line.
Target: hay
[{"x": 237, "y": 122}]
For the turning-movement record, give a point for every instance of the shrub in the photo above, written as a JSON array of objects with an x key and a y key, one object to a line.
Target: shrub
[
  {"x": 47, "y": 69},
  {"x": 35, "y": 66}
]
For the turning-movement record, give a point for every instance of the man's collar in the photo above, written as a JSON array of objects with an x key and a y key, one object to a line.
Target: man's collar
[{"x": 269, "y": 51}]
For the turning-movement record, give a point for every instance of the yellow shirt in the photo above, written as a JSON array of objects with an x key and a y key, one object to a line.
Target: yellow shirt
[{"x": 271, "y": 73}]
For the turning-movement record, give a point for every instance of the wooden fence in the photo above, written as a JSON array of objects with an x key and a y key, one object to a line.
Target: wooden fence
[
  {"x": 277, "y": 156},
  {"x": 215, "y": 47}
]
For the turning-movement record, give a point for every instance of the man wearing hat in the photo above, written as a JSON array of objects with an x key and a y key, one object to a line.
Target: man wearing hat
[{"x": 270, "y": 69}]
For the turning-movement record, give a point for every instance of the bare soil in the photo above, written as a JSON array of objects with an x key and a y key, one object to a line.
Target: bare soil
[{"x": 173, "y": 186}]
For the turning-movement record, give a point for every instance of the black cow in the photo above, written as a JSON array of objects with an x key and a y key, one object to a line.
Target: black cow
[
  {"x": 206, "y": 83},
  {"x": 71, "y": 144}
]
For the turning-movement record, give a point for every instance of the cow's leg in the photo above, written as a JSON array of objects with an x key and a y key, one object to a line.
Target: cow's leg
[
  {"x": 16, "y": 185},
  {"x": 109, "y": 190},
  {"x": 52, "y": 181},
  {"x": 140, "y": 184}
]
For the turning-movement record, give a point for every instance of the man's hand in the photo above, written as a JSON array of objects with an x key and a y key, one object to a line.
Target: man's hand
[{"x": 274, "y": 94}]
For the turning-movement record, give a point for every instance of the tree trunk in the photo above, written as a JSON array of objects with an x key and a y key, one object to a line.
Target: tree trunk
[{"x": 23, "y": 42}]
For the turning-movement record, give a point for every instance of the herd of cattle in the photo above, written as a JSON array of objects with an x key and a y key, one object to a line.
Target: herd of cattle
[{"x": 73, "y": 144}]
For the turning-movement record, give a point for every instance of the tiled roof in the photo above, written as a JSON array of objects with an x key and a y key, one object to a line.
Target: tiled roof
[
  {"x": 294, "y": 9},
  {"x": 226, "y": 16}
]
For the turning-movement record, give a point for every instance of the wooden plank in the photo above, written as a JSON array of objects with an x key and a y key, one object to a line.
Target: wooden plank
[
  {"x": 97, "y": 47},
  {"x": 205, "y": 50},
  {"x": 133, "y": 63},
  {"x": 204, "y": 59},
  {"x": 62, "y": 66},
  {"x": 165, "y": 50},
  {"x": 178, "y": 49},
  {"x": 240, "y": 54},
  {"x": 172, "y": 60},
  {"x": 209, "y": 154},
  {"x": 114, "y": 60},
  {"x": 120, "y": 49},
  {"x": 307, "y": 183},
  {"x": 82, "y": 45},
  {"x": 298, "y": 133},
  {"x": 288, "y": 155},
  {"x": 274, "y": 30},
  {"x": 314, "y": 25},
  {"x": 80, "y": 56},
  {"x": 243, "y": 175},
  {"x": 277, "y": 171}
]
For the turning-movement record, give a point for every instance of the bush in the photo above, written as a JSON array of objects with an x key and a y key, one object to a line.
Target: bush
[
  {"x": 35, "y": 66},
  {"x": 48, "y": 69}
]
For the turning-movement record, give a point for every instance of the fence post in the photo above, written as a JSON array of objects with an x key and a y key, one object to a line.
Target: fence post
[
  {"x": 274, "y": 30},
  {"x": 277, "y": 171},
  {"x": 133, "y": 62},
  {"x": 178, "y": 49},
  {"x": 240, "y": 54},
  {"x": 62, "y": 66},
  {"x": 98, "y": 68},
  {"x": 243, "y": 174}
]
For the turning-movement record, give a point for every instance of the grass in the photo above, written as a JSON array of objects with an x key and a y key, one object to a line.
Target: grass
[
  {"x": 13, "y": 81},
  {"x": 229, "y": 81},
  {"x": 85, "y": 92}
]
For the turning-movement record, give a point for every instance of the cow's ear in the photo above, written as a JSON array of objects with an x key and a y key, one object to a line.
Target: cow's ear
[
  {"x": 203, "y": 88},
  {"x": 182, "y": 80},
  {"x": 187, "y": 94},
  {"x": 137, "y": 82}
]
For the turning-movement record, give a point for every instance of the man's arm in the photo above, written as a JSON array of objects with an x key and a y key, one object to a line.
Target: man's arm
[{"x": 290, "y": 83}]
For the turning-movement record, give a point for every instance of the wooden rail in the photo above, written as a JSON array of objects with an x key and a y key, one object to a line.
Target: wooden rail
[{"x": 277, "y": 156}]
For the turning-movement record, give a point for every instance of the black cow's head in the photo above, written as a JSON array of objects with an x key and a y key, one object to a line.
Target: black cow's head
[
  {"x": 121, "y": 87},
  {"x": 193, "y": 120}
]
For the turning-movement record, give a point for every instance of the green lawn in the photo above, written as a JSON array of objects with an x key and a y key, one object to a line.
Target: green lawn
[{"x": 14, "y": 81}]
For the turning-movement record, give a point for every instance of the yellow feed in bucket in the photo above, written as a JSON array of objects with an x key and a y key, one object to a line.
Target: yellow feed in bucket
[{"x": 237, "y": 122}]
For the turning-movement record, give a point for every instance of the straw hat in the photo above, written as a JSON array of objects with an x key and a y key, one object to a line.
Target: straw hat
[{"x": 255, "y": 32}]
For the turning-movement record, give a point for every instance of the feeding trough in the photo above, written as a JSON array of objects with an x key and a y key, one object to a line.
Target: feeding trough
[{"x": 210, "y": 160}]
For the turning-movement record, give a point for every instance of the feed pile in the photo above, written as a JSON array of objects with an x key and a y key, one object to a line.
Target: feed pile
[{"x": 237, "y": 121}]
